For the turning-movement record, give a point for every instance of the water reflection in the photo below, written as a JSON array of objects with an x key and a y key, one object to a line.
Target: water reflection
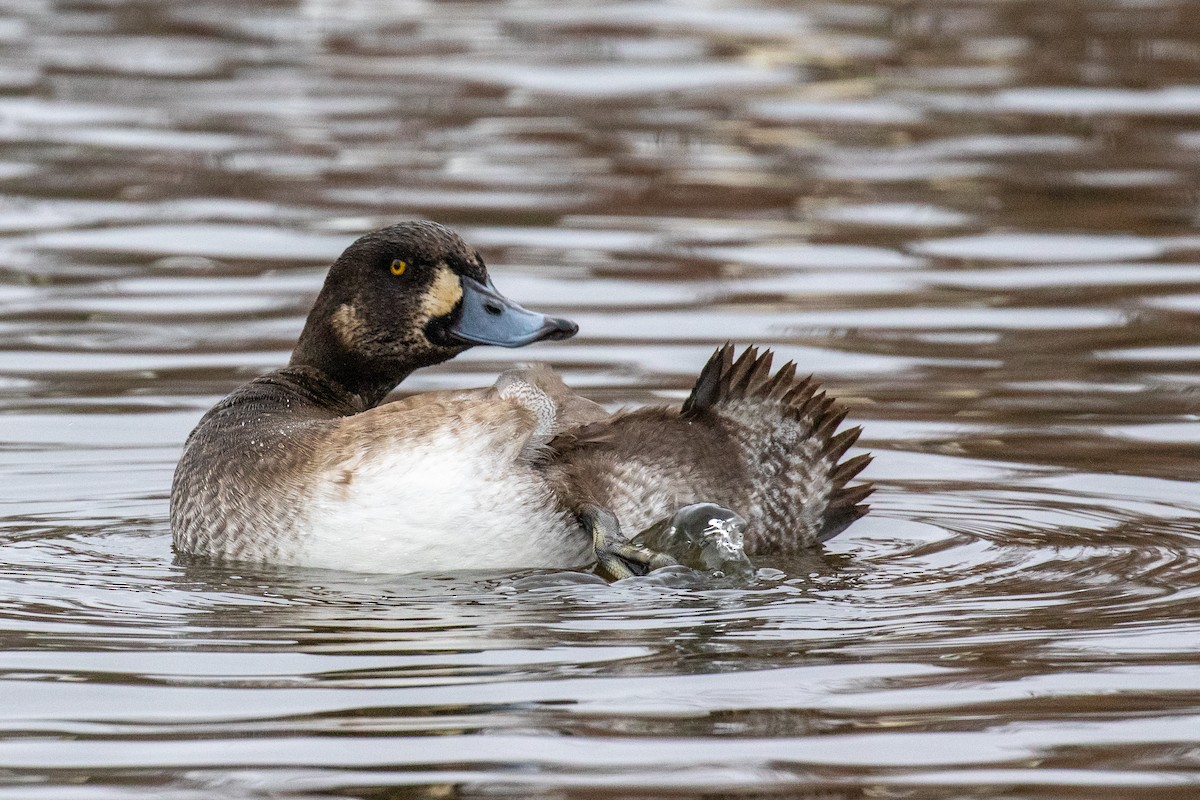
[{"x": 973, "y": 222}]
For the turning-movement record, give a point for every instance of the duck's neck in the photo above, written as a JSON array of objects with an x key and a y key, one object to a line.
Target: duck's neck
[
  {"x": 298, "y": 391},
  {"x": 369, "y": 379},
  {"x": 341, "y": 393}
]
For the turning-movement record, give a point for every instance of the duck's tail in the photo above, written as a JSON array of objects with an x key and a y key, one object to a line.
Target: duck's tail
[{"x": 787, "y": 430}]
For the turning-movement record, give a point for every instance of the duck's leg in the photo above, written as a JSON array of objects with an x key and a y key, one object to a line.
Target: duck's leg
[{"x": 616, "y": 556}]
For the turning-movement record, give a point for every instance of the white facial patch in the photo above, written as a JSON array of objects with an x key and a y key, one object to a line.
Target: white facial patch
[{"x": 443, "y": 294}]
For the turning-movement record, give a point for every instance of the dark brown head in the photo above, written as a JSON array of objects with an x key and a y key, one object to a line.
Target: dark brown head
[{"x": 405, "y": 297}]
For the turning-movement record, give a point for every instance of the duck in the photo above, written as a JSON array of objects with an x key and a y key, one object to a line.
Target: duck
[{"x": 308, "y": 466}]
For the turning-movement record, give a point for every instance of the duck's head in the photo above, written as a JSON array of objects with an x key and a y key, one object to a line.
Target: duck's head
[{"x": 405, "y": 297}]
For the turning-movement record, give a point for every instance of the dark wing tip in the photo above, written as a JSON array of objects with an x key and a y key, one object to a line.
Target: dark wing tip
[
  {"x": 707, "y": 389},
  {"x": 725, "y": 378}
]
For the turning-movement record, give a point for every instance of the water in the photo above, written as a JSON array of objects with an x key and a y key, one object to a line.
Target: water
[{"x": 975, "y": 222}]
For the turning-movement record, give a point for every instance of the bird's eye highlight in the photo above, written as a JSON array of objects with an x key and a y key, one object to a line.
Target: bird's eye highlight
[{"x": 399, "y": 266}]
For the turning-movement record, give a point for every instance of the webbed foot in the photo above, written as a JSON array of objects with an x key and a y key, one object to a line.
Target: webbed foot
[{"x": 616, "y": 556}]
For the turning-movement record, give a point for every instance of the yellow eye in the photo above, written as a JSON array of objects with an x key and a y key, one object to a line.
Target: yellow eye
[{"x": 399, "y": 266}]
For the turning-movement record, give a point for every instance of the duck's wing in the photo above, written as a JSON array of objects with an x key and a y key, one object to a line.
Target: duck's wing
[
  {"x": 764, "y": 445},
  {"x": 787, "y": 430}
]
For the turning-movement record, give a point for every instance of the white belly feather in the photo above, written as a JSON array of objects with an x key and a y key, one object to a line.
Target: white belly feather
[{"x": 447, "y": 503}]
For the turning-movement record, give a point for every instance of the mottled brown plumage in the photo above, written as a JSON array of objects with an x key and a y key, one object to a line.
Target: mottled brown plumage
[
  {"x": 303, "y": 466},
  {"x": 765, "y": 445}
]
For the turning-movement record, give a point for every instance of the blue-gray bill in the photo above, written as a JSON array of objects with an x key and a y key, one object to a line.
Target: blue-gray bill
[{"x": 488, "y": 317}]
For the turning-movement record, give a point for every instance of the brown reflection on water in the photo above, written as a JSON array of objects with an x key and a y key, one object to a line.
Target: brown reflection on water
[{"x": 975, "y": 222}]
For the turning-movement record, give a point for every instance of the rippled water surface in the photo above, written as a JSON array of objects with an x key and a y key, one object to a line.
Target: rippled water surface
[{"x": 975, "y": 221}]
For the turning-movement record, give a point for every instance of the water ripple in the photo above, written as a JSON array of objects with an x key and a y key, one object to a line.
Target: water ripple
[{"x": 971, "y": 222}]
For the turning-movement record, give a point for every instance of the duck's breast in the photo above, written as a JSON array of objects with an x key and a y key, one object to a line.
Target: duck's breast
[{"x": 418, "y": 486}]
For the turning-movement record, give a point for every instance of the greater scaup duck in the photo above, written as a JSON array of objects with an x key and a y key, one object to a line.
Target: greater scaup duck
[{"x": 302, "y": 466}]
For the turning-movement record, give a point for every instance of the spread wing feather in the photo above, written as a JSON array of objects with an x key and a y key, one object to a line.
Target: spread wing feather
[
  {"x": 765, "y": 444},
  {"x": 788, "y": 431}
]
